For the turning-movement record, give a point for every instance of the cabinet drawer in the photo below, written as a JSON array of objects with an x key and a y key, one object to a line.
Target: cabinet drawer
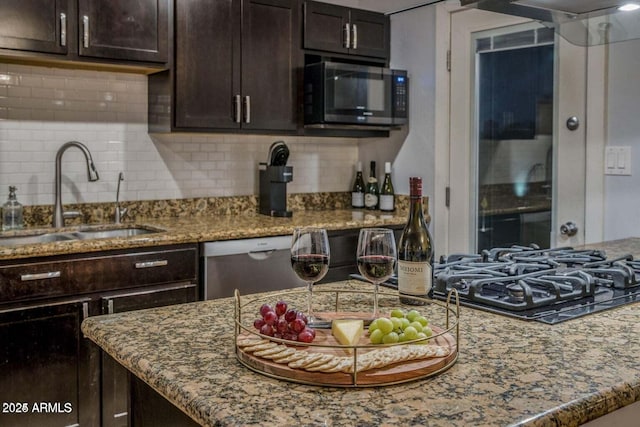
[{"x": 98, "y": 273}]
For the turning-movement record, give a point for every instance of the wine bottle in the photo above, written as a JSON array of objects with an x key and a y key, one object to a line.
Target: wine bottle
[
  {"x": 387, "y": 195},
  {"x": 372, "y": 192},
  {"x": 415, "y": 251},
  {"x": 357, "y": 191}
]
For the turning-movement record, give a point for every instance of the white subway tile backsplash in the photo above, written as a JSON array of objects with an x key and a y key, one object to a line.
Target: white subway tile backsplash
[{"x": 42, "y": 108}]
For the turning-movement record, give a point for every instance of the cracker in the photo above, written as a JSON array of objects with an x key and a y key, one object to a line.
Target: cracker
[
  {"x": 309, "y": 358},
  {"x": 273, "y": 351}
]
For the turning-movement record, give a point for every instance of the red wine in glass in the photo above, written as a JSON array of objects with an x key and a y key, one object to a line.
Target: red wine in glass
[
  {"x": 310, "y": 267},
  {"x": 376, "y": 268}
]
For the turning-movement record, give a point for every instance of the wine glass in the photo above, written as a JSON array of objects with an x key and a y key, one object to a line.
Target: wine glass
[
  {"x": 376, "y": 257},
  {"x": 310, "y": 261}
]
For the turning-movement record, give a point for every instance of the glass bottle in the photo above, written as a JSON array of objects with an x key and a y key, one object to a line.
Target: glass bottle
[
  {"x": 415, "y": 251},
  {"x": 387, "y": 195},
  {"x": 357, "y": 191},
  {"x": 12, "y": 216},
  {"x": 372, "y": 192}
]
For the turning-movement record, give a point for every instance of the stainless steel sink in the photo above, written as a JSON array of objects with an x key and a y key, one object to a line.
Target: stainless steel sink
[
  {"x": 113, "y": 233},
  {"x": 35, "y": 238},
  {"x": 80, "y": 234}
]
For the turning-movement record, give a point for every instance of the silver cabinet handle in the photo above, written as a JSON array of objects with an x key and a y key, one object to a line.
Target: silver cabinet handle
[
  {"x": 247, "y": 109},
  {"x": 85, "y": 310},
  {"x": 85, "y": 31},
  {"x": 237, "y": 108},
  {"x": 39, "y": 276},
  {"x": 354, "y": 38},
  {"x": 150, "y": 264},
  {"x": 63, "y": 29},
  {"x": 347, "y": 36}
]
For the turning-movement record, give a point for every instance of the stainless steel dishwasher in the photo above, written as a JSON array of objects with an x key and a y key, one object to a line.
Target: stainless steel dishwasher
[{"x": 249, "y": 265}]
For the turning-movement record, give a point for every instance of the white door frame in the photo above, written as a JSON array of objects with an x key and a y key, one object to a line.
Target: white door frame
[{"x": 454, "y": 236}]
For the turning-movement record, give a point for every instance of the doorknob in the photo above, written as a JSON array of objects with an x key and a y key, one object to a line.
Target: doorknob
[
  {"x": 569, "y": 229},
  {"x": 573, "y": 123}
]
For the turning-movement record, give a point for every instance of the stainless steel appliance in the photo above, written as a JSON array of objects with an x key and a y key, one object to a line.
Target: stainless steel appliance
[
  {"x": 547, "y": 285},
  {"x": 354, "y": 94},
  {"x": 249, "y": 265}
]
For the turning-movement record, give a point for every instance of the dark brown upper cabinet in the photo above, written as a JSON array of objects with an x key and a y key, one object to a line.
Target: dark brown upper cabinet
[
  {"x": 91, "y": 30},
  {"x": 130, "y": 30},
  {"x": 236, "y": 65},
  {"x": 338, "y": 29},
  {"x": 35, "y": 25}
]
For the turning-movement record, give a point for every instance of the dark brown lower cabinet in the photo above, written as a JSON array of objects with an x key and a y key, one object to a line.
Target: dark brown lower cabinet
[
  {"x": 46, "y": 372},
  {"x": 116, "y": 403}
]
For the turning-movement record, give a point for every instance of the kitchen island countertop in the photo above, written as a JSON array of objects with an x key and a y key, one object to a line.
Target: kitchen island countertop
[{"x": 509, "y": 372}]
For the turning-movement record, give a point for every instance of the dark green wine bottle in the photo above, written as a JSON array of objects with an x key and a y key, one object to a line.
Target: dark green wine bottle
[
  {"x": 371, "y": 195},
  {"x": 415, "y": 251}
]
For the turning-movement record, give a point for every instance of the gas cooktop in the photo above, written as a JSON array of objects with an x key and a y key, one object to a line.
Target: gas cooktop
[{"x": 546, "y": 285}]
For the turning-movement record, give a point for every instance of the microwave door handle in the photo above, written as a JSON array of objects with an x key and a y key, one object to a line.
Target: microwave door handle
[
  {"x": 347, "y": 36},
  {"x": 354, "y": 37}
]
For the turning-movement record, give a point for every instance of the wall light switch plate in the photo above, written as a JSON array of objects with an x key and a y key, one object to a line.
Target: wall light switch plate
[{"x": 617, "y": 160}]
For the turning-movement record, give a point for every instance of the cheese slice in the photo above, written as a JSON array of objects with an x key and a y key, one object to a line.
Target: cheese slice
[{"x": 347, "y": 331}]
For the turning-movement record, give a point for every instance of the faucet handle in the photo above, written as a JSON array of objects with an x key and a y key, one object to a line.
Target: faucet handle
[{"x": 71, "y": 214}]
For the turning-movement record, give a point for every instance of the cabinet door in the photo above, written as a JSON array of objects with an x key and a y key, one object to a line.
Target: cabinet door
[
  {"x": 42, "y": 356},
  {"x": 34, "y": 25},
  {"x": 207, "y": 65},
  {"x": 270, "y": 52},
  {"x": 131, "y": 30},
  {"x": 324, "y": 27},
  {"x": 115, "y": 378},
  {"x": 369, "y": 34}
]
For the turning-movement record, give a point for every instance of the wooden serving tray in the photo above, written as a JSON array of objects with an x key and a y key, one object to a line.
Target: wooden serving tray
[{"x": 391, "y": 374}]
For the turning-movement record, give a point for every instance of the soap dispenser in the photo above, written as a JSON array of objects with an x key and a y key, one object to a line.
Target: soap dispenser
[{"x": 12, "y": 212}]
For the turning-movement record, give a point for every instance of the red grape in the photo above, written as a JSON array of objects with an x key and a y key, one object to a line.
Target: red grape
[
  {"x": 277, "y": 335},
  {"x": 298, "y": 325},
  {"x": 291, "y": 336},
  {"x": 305, "y": 336},
  {"x": 258, "y": 323},
  {"x": 282, "y": 326},
  {"x": 270, "y": 317},
  {"x": 290, "y": 315},
  {"x": 300, "y": 315},
  {"x": 264, "y": 309},
  {"x": 281, "y": 308},
  {"x": 266, "y": 330}
]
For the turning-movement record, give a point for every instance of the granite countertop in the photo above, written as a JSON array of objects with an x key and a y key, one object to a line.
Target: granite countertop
[
  {"x": 194, "y": 229},
  {"x": 509, "y": 372}
]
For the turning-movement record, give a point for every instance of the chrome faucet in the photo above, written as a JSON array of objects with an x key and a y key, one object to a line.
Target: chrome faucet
[
  {"x": 92, "y": 174},
  {"x": 120, "y": 212}
]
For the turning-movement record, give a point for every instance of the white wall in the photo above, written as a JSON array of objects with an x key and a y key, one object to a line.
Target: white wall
[
  {"x": 41, "y": 108},
  {"x": 622, "y": 193}
]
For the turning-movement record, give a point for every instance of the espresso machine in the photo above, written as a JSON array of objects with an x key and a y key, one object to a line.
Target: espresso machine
[{"x": 274, "y": 176}]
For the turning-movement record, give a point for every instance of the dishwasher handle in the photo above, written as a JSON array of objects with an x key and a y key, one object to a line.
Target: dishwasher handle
[{"x": 261, "y": 255}]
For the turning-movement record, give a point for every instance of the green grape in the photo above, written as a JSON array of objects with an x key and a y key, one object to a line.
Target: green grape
[
  {"x": 402, "y": 337},
  {"x": 412, "y": 315},
  {"x": 405, "y": 323},
  {"x": 376, "y": 336},
  {"x": 410, "y": 333},
  {"x": 390, "y": 338},
  {"x": 417, "y": 325},
  {"x": 422, "y": 336},
  {"x": 373, "y": 326},
  {"x": 397, "y": 324},
  {"x": 423, "y": 320},
  {"x": 427, "y": 331},
  {"x": 385, "y": 325},
  {"x": 396, "y": 312}
]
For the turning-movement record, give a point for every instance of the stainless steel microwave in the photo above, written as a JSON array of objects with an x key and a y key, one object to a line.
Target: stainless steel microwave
[{"x": 352, "y": 94}]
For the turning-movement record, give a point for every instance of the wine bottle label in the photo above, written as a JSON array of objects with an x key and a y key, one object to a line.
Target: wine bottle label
[
  {"x": 386, "y": 202},
  {"x": 357, "y": 200},
  {"x": 370, "y": 200},
  {"x": 414, "y": 278}
]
